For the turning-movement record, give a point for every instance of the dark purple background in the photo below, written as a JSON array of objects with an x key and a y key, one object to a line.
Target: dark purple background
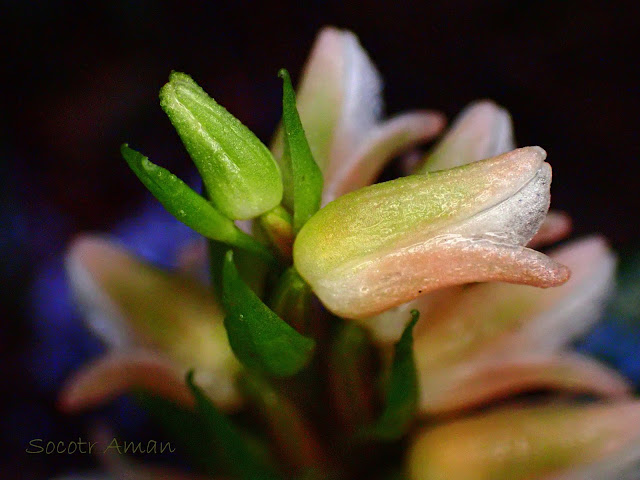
[{"x": 81, "y": 79}]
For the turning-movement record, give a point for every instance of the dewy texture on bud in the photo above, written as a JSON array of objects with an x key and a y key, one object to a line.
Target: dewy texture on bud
[
  {"x": 240, "y": 174},
  {"x": 386, "y": 244}
]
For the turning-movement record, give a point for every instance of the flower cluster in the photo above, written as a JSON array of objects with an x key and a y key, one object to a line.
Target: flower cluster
[{"x": 434, "y": 312}]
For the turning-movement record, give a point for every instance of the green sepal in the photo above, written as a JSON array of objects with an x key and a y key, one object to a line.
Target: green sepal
[
  {"x": 237, "y": 453},
  {"x": 307, "y": 177},
  {"x": 260, "y": 339},
  {"x": 402, "y": 391},
  {"x": 187, "y": 206}
]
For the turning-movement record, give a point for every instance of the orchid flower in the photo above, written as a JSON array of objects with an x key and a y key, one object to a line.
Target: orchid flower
[
  {"x": 389, "y": 243},
  {"x": 416, "y": 260},
  {"x": 551, "y": 442}
]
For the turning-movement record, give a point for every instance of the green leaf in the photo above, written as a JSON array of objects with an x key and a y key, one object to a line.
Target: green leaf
[
  {"x": 235, "y": 450},
  {"x": 260, "y": 339},
  {"x": 187, "y": 206},
  {"x": 307, "y": 177},
  {"x": 402, "y": 391},
  {"x": 239, "y": 172}
]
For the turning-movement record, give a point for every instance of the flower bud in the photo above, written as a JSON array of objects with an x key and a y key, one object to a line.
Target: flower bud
[
  {"x": 386, "y": 244},
  {"x": 552, "y": 442},
  {"x": 240, "y": 174}
]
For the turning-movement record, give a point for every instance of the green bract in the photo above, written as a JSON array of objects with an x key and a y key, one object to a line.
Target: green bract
[
  {"x": 240, "y": 174},
  {"x": 402, "y": 391},
  {"x": 297, "y": 159},
  {"x": 189, "y": 207},
  {"x": 260, "y": 339},
  {"x": 234, "y": 449}
]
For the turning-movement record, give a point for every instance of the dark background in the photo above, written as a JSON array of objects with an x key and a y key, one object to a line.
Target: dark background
[{"x": 80, "y": 79}]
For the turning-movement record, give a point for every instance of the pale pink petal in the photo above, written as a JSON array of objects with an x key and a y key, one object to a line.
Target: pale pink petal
[
  {"x": 574, "y": 307},
  {"x": 482, "y": 130},
  {"x": 387, "y": 327},
  {"x": 388, "y": 140},
  {"x": 442, "y": 261},
  {"x": 135, "y": 303},
  {"x": 479, "y": 381},
  {"x": 498, "y": 317},
  {"x": 556, "y": 226},
  {"x": 108, "y": 377},
  {"x": 525, "y": 443},
  {"x": 362, "y": 103}
]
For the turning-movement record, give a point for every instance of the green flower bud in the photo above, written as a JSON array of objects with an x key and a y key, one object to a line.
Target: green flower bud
[{"x": 240, "y": 174}]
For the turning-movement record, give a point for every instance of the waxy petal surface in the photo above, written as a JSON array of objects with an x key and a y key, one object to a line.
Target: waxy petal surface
[
  {"x": 389, "y": 139},
  {"x": 481, "y": 381},
  {"x": 524, "y": 443},
  {"x": 482, "y": 130},
  {"x": 108, "y": 377},
  {"x": 131, "y": 303},
  {"x": 389, "y": 243}
]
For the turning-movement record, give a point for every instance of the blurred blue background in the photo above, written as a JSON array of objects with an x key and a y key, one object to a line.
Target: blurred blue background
[{"x": 81, "y": 78}]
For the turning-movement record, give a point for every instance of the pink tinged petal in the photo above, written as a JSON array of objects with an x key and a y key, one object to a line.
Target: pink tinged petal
[
  {"x": 386, "y": 244},
  {"x": 108, "y": 377},
  {"x": 386, "y": 328},
  {"x": 556, "y": 226},
  {"x": 479, "y": 381},
  {"x": 388, "y": 140},
  {"x": 482, "y": 130},
  {"x": 571, "y": 309},
  {"x": 525, "y": 443},
  {"x": 496, "y": 317},
  {"x": 170, "y": 312}
]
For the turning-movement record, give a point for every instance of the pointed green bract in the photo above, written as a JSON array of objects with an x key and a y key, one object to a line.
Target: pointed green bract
[
  {"x": 235, "y": 450},
  {"x": 305, "y": 173},
  {"x": 238, "y": 171},
  {"x": 260, "y": 339},
  {"x": 402, "y": 390},
  {"x": 189, "y": 207}
]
